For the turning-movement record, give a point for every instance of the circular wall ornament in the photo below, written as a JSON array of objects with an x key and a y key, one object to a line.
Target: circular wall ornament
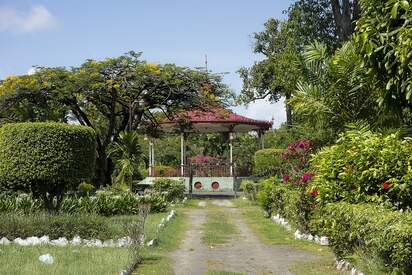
[
  {"x": 198, "y": 185},
  {"x": 215, "y": 185}
]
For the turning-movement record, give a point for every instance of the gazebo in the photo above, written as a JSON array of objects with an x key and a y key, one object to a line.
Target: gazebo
[{"x": 207, "y": 176}]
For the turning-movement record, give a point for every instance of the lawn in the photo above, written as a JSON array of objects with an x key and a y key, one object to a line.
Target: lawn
[{"x": 79, "y": 259}]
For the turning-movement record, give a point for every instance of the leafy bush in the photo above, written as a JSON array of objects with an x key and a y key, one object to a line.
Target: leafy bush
[
  {"x": 364, "y": 166},
  {"x": 268, "y": 162},
  {"x": 105, "y": 203},
  {"x": 86, "y": 188},
  {"x": 19, "y": 203},
  {"x": 171, "y": 190},
  {"x": 375, "y": 230},
  {"x": 46, "y": 159},
  {"x": 63, "y": 225},
  {"x": 250, "y": 189},
  {"x": 286, "y": 200}
]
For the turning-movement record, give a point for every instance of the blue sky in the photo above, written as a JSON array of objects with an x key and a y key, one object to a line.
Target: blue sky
[{"x": 65, "y": 33}]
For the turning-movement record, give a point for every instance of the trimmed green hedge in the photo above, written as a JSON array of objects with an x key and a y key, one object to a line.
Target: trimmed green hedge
[
  {"x": 377, "y": 231},
  {"x": 46, "y": 158},
  {"x": 268, "y": 162},
  {"x": 286, "y": 200}
]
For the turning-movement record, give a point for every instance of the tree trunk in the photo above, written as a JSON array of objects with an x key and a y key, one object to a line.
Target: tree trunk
[
  {"x": 288, "y": 110},
  {"x": 102, "y": 176},
  {"x": 345, "y": 12}
]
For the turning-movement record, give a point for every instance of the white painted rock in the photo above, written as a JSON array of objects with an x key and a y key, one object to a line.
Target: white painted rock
[
  {"x": 151, "y": 242},
  {"x": 76, "y": 240},
  {"x": 298, "y": 236},
  {"x": 4, "y": 240},
  {"x": 310, "y": 237},
  {"x": 109, "y": 243},
  {"x": 44, "y": 239},
  {"x": 46, "y": 258},
  {"x": 21, "y": 242},
  {"x": 33, "y": 241},
  {"x": 353, "y": 271},
  {"x": 60, "y": 242},
  {"x": 324, "y": 241}
]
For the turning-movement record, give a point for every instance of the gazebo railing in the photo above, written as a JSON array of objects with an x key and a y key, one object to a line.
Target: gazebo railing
[{"x": 221, "y": 169}]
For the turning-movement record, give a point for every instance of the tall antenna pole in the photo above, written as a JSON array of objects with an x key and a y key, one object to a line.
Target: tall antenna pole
[{"x": 206, "y": 63}]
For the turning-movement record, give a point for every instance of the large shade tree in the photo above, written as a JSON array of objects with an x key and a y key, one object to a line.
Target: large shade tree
[
  {"x": 111, "y": 96},
  {"x": 276, "y": 75},
  {"x": 384, "y": 39}
]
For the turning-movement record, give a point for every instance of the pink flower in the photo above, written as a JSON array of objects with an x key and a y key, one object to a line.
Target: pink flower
[
  {"x": 313, "y": 193},
  {"x": 307, "y": 176},
  {"x": 286, "y": 178}
]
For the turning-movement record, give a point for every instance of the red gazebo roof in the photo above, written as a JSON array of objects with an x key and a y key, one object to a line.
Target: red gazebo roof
[{"x": 215, "y": 120}]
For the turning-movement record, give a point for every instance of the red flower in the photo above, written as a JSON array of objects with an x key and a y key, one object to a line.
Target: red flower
[
  {"x": 313, "y": 205},
  {"x": 286, "y": 178},
  {"x": 387, "y": 185},
  {"x": 314, "y": 192}
]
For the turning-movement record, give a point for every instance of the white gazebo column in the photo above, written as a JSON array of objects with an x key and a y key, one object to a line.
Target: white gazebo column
[
  {"x": 231, "y": 152},
  {"x": 182, "y": 154},
  {"x": 262, "y": 139},
  {"x": 151, "y": 158}
]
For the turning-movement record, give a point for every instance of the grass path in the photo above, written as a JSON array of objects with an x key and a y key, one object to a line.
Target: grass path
[{"x": 226, "y": 238}]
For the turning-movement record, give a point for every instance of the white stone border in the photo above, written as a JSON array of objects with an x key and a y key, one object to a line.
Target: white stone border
[
  {"x": 344, "y": 265},
  {"x": 121, "y": 242},
  {"x": 340, "y": 265},
  {"x": 162, "y": 225}
]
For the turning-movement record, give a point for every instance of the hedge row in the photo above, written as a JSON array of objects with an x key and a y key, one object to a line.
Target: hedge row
[
  {"x": 377, "y": 231},
  {"x": 283, "y": 199}
]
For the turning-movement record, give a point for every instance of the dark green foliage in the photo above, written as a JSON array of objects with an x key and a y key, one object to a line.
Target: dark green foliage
[
  {"x": 383, "y": 36},
  {"x": 268, "y": 162},
  {"x": 365, "y": 166},
  {"x": 171, "y": 190},
  {"x": 63, "y": 225},
  {"x": 375, "y": 230},
  {"x": 46, "y": 159}
]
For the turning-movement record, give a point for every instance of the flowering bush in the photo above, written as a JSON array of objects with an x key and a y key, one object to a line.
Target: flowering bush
[
  {"x": 203, "y": 159},
  {"x": 365, "y": 167}
]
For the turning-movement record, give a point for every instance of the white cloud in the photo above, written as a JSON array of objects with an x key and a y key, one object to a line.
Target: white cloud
[
  {"x": 38, "y": 18},
  {"x": 32, "y": 71},
  {"x": 262, "y": 109}
]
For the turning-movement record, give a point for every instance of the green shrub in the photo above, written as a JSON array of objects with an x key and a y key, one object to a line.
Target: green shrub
[
  {"x": 172, "y": 190},
  {"x": 63, "y": 225},
  {"x": 104, "y": 203},
  {"x": 373, "y": 229},
  {"x": 286, "y": 200},
  {"x": 365, "y": 167},
  {"x": 86, "y": 188},
  {"x": 19, "y": 203},
  {"x": 46, "y": 159},
  {"x": 268, "y": 162},
  {"x": 250, "y": 189}
]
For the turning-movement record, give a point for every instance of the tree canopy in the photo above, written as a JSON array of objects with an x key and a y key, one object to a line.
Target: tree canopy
[{"x": 109, "y": 96}]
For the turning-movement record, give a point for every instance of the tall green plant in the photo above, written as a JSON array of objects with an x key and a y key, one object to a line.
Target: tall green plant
[{"x": 127, "y": 156}]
